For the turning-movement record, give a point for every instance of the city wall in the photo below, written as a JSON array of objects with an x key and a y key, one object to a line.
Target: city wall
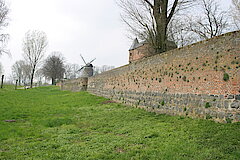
[
  {"x": 201, "y": 80},
  {"x": 74, "y": 85}
]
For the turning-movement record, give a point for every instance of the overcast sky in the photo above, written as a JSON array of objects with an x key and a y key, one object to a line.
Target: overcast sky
[{"x": 89, "y": 27}]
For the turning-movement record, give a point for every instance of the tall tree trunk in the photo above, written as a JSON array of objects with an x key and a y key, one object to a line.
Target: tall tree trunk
[
  {"x": 160, "y": 16},
  {"x": 53, "y": 81},
  {"x": 161, "y": 37},
  {"x": 32, "y": 76},
  {"x": 19, "y": 81}
]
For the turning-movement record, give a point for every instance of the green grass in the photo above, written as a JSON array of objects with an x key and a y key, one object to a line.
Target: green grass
[{"x": 53, "y": 124}]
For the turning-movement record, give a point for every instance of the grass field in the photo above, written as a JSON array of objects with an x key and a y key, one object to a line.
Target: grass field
[{"x": 53, "y": 124}]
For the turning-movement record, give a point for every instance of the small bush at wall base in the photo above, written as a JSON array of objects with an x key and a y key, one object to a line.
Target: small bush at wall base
[
  {"x": 225, "y": 77},
  {"x": 162, "y": 103},
  {"x": 207, "y": 105},
  {"x": 228, "y": 120},
  {"x": 208, "y": 116}
]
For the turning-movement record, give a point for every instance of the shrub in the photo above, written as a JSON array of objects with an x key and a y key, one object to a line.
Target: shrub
[
  {"x": 207, "y": 105},
  {"x": 184, "y": 78},
  {"x": 225, "y": 77},
  {"x": 185, "y": 109},
  {"x": 162, "y": 103},
  {"x": 208, "y": 116},
  {"x": 228, "y": 120}
]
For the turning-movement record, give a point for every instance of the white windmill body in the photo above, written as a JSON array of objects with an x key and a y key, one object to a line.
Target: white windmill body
[{"x": 87, "y": 69}]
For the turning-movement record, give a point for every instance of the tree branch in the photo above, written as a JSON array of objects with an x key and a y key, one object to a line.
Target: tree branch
[
  {"x": 149, "y": 3},
  {"x": 172, "y": 11}
]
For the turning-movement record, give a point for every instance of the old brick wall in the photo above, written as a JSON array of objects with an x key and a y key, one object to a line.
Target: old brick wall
[
  {"x": 139, "y": 53},
  {"x": 74, "y": 85},
  {"x": 186, "y": 81}
]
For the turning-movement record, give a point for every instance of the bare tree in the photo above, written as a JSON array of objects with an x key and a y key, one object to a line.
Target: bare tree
[
  {"x": 26, "y": 73},
  {"x": 54, "y": 67},
  {"x": 17, "y": 71},
  {"x": 149, "y": 19},
  {"x": 39, "y": 75},
  {"x": 178, "y": 33},
  {"x": 72, "y": 71},
  {"x": 21, "y": 71},
  {"x": 75, "y": 71},
  {"x": 104, "y": 68},
  {"x": 68, "y": 71},
  {"x": 34, "y": 46},
  {"x": 212, "y": 21},
  {"x": 235, "y": 13},
  {"x": 4, "y": 11}
]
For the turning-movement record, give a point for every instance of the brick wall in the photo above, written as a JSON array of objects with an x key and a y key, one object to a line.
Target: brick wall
[
  {"x": 139, "y": 53},
  {"x": 188, "y": 81},
  {"x": 74, "y": 85}
]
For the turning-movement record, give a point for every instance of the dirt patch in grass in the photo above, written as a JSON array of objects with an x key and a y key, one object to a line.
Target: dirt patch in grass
[
  {"x": 120, "y": 150},
  {"x": 108, "y": 101},
  {"x": 10, "y": 121}
]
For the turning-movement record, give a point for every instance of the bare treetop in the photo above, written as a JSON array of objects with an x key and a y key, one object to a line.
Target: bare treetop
[
  {"x": 149, "y": 19},
  {"x": 212, "y": 23},
  {"x": 4, "y": 11},
  {"x": 34, "y": 47},
  {"x": 236, "y": 13}
]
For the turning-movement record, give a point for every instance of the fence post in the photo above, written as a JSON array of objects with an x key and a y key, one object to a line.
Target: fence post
[
  {"x": 16, "y": 84},
  {"x": 2, "y": 81}
]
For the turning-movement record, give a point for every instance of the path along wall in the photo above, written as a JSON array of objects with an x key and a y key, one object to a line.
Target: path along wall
[{"x": 200, "y": 80}]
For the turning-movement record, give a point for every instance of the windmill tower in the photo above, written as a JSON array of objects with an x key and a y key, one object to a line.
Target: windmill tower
[{"x": 87, "y": 69}]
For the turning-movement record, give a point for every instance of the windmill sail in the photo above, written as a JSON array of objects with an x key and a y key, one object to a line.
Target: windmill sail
[
  {"x": 92, "y": 61},
  {"x": 83, "y": 59}
]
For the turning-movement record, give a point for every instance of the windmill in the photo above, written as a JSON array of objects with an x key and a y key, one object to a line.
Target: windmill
[{"x": 87, "y": 69}]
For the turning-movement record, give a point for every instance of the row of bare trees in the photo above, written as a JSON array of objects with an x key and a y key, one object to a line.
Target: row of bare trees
[
  {"x": 53, "y": 67},
  {"x": 34, "y": 48},
  {"x": 181, "y": 21}
]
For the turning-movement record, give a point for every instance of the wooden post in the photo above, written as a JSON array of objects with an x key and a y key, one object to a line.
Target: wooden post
[
  {"x": 16, "y": 84},
  {"x": 2, "y": 81}
]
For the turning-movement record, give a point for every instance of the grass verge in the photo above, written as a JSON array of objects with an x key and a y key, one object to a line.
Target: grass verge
[{"x": 46, "y": 123}]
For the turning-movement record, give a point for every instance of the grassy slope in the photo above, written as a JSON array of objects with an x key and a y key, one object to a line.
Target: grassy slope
[{"x": 53, "y": 124}]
